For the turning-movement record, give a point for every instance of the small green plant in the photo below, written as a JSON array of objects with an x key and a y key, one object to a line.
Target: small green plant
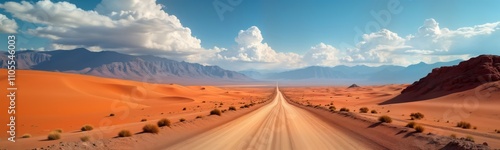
[
  {"x": 464, "y": 125},
  {"x": 182, "y": 120},
  {"x": 124, "y": 133},
  {"x": 363, "y": 110},
  {"x": 54, "y": 136},
  {"x": 419, "y": 128},
  {"x": 163, "y": 122},
  {"x": 26, "y": 136},
  {"x": 232, "y": 108},
  {"x": 87, "y": 128},
  {"x": 150, "y": 128},
  {"x": 85, "y": 138},
  {"x": 385, "y": 119},
  {"x": 411, "y": 124},
  {"x": 215, "y": 112},
  {"x": 416, "y": 116},
  {"x": 374, "y": 111}
]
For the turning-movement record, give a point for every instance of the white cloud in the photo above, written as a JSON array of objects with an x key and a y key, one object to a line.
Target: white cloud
[
  {"x": 132, "y": 26},
  {"x": 251, "y": 53},
  {"x": 7, "y": 25},
  {"x": 322, "y": 55}
]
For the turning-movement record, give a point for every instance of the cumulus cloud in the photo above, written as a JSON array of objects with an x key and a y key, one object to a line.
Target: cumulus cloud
[
  {"x": 322, "y": 55},
  {"x": 131, "y": 26},
  {"x": 251, "y": 52},
  {"x": 7, "y": 25}
]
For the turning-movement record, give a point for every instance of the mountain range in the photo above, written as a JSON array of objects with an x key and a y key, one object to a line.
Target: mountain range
[
  {"x": 346, "y": 75},
  {"x": 121, "y": 66},
  {"x": 148, "y": 68}
]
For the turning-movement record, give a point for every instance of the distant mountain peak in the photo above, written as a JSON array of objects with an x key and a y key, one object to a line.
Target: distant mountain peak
[{"x": 122, "y": 66}]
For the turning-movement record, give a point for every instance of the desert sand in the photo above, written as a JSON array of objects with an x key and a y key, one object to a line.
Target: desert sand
[
  {"x": 478, "y": 106},
  {"x": 47, "y": 101}
]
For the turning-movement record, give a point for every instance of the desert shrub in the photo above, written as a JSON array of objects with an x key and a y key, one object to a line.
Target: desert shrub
[
  {"x": 58, "y": 130},
  {"x": 232, "y": 108},
  {"x": 199, "y": 117},
  {"x": 475, "y": 128},
  {"x": 150, "y": 128},
  {"x": 124, "y": 133},
  {"x": 112, "y": 114},
  {"x": 419, "y": 128},
  {"x": 464, "y": 125},
  {"x": 163, "y": 122},
  {"x": 182, "y": 120},
  {"x": 411, "y": 124},
  {"x": 469, "y": 138},
  {"x": 221, "y": 104},
  {"x": 87, "y": 128},
  {"x": 184, "y": 108},
  {"x": 54, "y": 136},
  {"x": 85, "y": 138},
  {"x": 344, "y": 109},
  {"x": 215, "y": 112},
  {"x": 363, "y": 110},
  {"x": 26, "y": 136},
  {"x": 385, "y": 119},
  {"x": 374, "y": 111},
  {"x": 416, "y": 116},
  {"x": 332, "y": 108},
  {"x": 203, "y": 102},
  {"x": 144, "y": 119}
]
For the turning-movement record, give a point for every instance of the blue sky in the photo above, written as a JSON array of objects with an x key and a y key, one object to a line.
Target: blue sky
[{"x": 262, "y": 35}]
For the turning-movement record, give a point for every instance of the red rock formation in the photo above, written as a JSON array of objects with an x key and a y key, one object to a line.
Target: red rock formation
[{"x": 466, "y": 75}]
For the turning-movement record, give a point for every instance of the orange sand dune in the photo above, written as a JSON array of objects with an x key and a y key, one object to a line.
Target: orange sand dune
[
  {"x": 49, "y": 100},
  {"x": 478, "y": 106}
]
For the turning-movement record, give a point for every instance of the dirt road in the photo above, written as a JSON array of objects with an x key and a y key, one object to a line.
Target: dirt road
[{"x": 278, "y": 125}]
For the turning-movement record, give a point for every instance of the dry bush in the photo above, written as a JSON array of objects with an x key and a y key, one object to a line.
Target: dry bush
[
  {"x": 344, "y": 109},
  {"x": 416, "y": 116},
  {"x": 232, "y": 108},
  {"x": 150, "y": 128},
  {"x": 54, "y": 136},
  {"x": 464, "y": 125},
  {"x": 215, "y": 112},
  {"x": 411, "y": 124},
  {"x": 163, "y": 122},
  {"x": 374, "y": 111},
  {"x": 419, "y": 128},
  {"x": 385, "y": 119},
  {"x": 182, "y": 120},
  {"x": 124, "y": 133},
  {"x": 87, "y": 128},
  {"x": 363, "y": 110}
]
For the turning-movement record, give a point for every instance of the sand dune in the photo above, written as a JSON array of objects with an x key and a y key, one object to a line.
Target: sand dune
[
  {"x": 479, "y": 106},
  {"x": 49, "y": 100}
]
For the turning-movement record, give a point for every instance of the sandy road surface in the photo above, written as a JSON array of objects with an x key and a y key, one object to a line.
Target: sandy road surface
[{"x": 278, "y": 125}]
